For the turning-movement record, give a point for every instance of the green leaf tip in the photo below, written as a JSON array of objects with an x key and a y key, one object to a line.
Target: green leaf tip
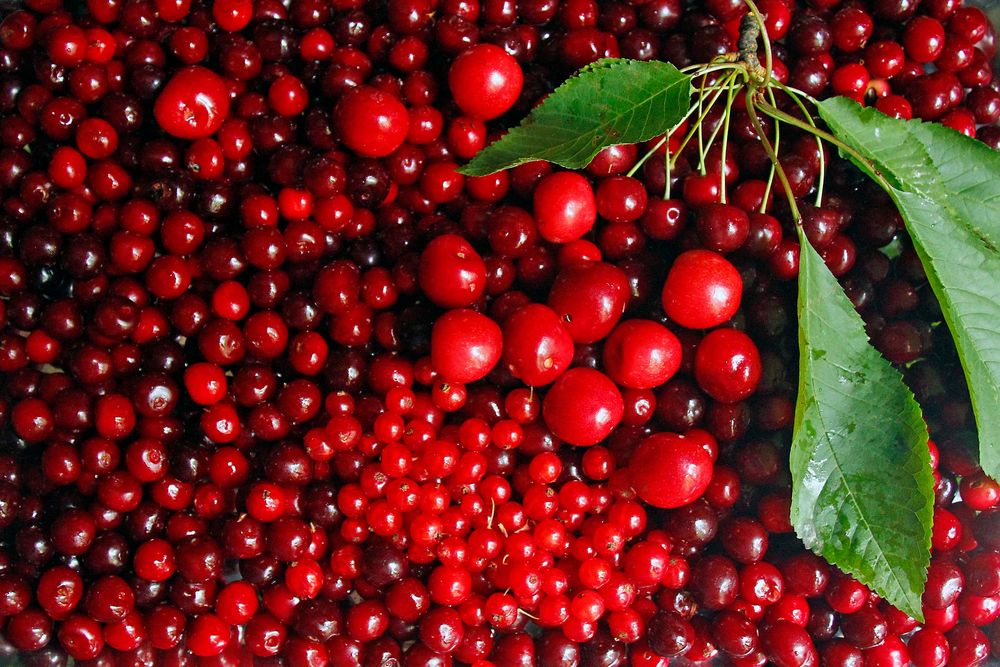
[
  {"x": 862, "y": 486},
  {"x": 947, "y": 188},
  {"x": 609, "y": 102}
]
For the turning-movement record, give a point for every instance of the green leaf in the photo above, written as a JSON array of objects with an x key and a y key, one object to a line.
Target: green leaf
[
  {"x": 947, "y": 188},
  {"x": 862, "y": 487},
  {"x": 613, "y": 101}
]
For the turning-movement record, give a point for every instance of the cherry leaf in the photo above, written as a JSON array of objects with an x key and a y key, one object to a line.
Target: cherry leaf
[
  {"x": 862, "y": 487},
  {"x": 947, "y": 188},
  {"x": 613, "y": 101}
]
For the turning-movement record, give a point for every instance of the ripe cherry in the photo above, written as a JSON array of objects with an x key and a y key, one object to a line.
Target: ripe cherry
[
  {"x": 727, "y": 365},
  {"x": 583, "y": 406},
  {"x": 465, "y": 345},
  {"x": 193, "y": 104},
  {"x": 564, "y": 206},
  {"x": 590, "y": 298},
  {"x": 537, "y": 347},
  {"x": 451, "y": 272},
  {"x": 702, "y": 290},
  {"x": 668, "y": 470},
  {"x": 641, "y": 354},
  {"x": 371, "y": 122},
  {"x": 485, "y": 81}
]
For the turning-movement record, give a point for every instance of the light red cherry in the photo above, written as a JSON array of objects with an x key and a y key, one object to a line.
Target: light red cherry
[
  {"x": 465, "y": 345},
  {"x": 668, "y": 470},
  {"x": 583, "y": 406},
  {"x": 485, "y": 81},
  {"x": 193, "y": 104}
]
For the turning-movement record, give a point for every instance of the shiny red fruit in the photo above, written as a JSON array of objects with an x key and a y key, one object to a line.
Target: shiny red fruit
[
  {"x": 727, "y": 365},
  {"x": 641, "y": 354},
  {"x": 583, "y": 407},
  {"x": 565, "y": 207},
  {"x": 465, "y": 345},
  {"x": 451, "y": 273},
  {"x": 590, "y": 298},
  {"x": 703, "y": 290},
  {"x": 193, "y": 104},
  {"x": 485, "y": 81},
  {"x": 537, "y": 347},
  {"x": 371, "y": 122},
  {"x": 668, "y": 470}
]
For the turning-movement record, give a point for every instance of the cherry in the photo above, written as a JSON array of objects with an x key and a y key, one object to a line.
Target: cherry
[
  {"x": 565, "y": 207},
  {"x": 465, "y": 345},
  {"x": 702, "y": 290},
  {"x": 537, "y": 347},
  {"x": 590, "y": 298},
  {"x": 451, "y": 272},
  {"x": 485, "y": 81},
  {"x": 669, "y": 470},
  {"x": 371, "y": 122},
  {"x": 924, "y": 39},
  {"x": 582, "y": 407},
  {"x": 640, "y": 354},
  {"x": 727, "y": 365},
  {"x": 193, "y": 104}
]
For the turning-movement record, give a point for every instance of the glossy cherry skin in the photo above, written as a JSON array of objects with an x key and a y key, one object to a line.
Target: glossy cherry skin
[
  {"x": 465, "y": 345},
  {"x": 193, "y": 104},
  {"x": 451, "y": 272},
  {"x": 641, "y": 354},
  {"x": 590, "y": 298},
  {"x": 564, "y": 206},
  {"x": 583, "y": 406},
  {"x": 371, "y": 122},
  {"x": 702, "y": 290},
  {"x": 727, "y": 365},
  {"x": 668, "y": 470},
  {"x": 537, "y": 347},
  {"x": 485, "y": 81}
]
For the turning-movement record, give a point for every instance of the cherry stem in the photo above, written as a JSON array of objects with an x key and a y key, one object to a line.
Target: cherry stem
[
  {"x": 793, "y": 94},
  {"x": 701, "y": 118},
  {"x": 766, "y": 143},
  {"x": 867, "y": 164},
  {"x": 725, "y": 144}
]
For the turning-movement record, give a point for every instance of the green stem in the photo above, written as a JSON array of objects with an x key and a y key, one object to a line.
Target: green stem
[
  {"x": 701, "y": 134},
  {"x": 664, "y": 139},
  {"x": 770, "y": 175},
  {"x": 725, "y": 145},
  {"x": 819, "y": 142},
  {"x": 778, "y": 114},
  {"x": 641, "y": 161},
  {"x": 793, "y": 207},
  {"x": 701, "y": 118},
  {"x": 667, "y": 170}
]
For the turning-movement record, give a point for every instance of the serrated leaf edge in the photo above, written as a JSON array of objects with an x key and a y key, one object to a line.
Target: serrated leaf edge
[{"x": 903, "y": 600}]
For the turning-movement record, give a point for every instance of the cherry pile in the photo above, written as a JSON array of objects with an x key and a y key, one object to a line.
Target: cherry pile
[{"x": 281, "y": 387}]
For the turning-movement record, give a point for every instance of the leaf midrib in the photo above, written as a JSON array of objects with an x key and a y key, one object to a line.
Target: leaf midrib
[{"x": 852, "y": 495}]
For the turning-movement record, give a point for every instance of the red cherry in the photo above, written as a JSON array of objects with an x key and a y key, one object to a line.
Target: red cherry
[
  {"x": 590, "y": 298},
  {"x": 371, "y": 122},
  {"x": 583, "y": 406},
  {"x": 451, "y": 273},
  {"x": 565, "y": 207},
  {"x": 537, "y": 347},
  {"x": 485, "y": 81},
  {"x": 193, "y": 104},
  {"x": 703, "y": 289},
  {"x": 668, "y": 470},
  {"x": 641, "y": 354},
  {"x": 465, "y": 345},
  {"x": 727, "y": 365}
]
